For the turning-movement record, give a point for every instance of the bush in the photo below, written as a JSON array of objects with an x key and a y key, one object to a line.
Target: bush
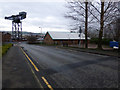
[
  {"x": 105, "y": 41},
  {"x": 94, "y": 40},
  {"x": 31, "y": 39}
]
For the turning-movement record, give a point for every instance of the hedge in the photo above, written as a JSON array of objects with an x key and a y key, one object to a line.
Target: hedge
[{"x": 105, "y": 41}]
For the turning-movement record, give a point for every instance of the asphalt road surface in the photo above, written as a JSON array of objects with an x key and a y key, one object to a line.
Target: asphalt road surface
[{"x": 71, "y": 69}]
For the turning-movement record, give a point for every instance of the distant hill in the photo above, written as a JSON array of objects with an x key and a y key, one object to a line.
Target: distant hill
[{"x": 24, "y": 32}]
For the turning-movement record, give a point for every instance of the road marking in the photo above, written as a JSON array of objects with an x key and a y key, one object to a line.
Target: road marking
[
  {"x": 35, "y": 75},
  {"x": 46, "y": 82},
  {"x": 49, "y": 86},
  {"x": 33, "y": 70},
  {"x": 30, "y": 60}
]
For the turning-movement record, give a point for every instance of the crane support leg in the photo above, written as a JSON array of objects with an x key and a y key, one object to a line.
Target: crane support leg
[{"x": 16, "y": 31}]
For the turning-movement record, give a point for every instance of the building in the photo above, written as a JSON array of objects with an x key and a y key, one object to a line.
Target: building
[
  {"x": 0, "y": 38},
  {"x": 62, "y": 38},
  {"x": 6, "y": 37}
]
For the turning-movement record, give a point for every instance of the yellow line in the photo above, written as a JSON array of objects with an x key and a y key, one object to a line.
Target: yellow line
[
  {"x": 49, "y": 86},
  {"x": 35, "y": 75},
  {"x": 30, "y": 61}
]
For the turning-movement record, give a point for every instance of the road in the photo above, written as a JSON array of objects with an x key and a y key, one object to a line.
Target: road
[{"x": 71, "y": 69}]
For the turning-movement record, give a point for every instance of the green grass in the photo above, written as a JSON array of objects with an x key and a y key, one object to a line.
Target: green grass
[
  {"x": 0, "y": 52},
  {"x": 5, "y": 48}
]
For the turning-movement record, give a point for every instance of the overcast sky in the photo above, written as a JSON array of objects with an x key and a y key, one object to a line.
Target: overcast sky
[{"x": 48, "y": 14}]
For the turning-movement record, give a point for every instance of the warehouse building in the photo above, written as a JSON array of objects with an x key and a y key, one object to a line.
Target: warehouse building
[
  {"x": 62, "y": 38},
  {"x": 6, "y": 37}
]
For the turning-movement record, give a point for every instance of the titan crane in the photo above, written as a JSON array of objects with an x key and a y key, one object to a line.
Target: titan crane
[{"x": 17, "y": 25}]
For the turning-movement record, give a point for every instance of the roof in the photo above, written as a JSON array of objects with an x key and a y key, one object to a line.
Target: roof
[
  {"x": 66, "y": 35},
  {"x": 5, "y": 33}
]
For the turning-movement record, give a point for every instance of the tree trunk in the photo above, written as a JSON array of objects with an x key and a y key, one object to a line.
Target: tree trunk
[
  {"x": 101, "y": 26},
  {"x": 86, "y": 24}
]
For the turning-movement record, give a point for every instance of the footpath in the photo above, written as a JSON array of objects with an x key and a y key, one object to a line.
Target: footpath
[
  {"x": 106, "y": 51},
  {"x": 15, "y": 71},
  {"x": 0, "y": 73}
]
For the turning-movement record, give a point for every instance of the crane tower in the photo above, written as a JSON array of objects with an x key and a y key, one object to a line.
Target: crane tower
[{"x": 17, "y": 25}]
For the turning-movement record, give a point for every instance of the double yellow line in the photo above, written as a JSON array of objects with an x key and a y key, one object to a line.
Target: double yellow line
[
  {"x": 49, "y": 86},
  {"x": 46, "y": 82},
  {"x": 30, "y": 61}
]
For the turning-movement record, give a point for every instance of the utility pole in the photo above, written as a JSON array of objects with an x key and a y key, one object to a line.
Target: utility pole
[{"x": 80, "y": 31}]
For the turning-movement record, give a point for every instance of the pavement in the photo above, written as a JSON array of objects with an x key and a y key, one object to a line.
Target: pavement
[
  {"x": 93, "y": 46},
  {"x": 65, "y": 68},
  {"x": 107, "y": 52},
  {"x": 0, "y": 64},
  {"x": 16, "y": 72},
  {"x": 0, "y": 73}
]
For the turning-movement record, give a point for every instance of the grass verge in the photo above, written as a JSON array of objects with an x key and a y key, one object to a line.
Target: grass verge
[{"x": 5, "y": 48}]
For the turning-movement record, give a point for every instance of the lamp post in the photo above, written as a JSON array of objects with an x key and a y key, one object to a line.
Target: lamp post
[{"x": 41, "y": 29}]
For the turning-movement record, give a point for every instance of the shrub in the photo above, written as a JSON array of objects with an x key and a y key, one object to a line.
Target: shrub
[
  {"x": 105, "y": 41},
  {"x": 94, "y": 40},
  {"x": 31, "y": 39}
]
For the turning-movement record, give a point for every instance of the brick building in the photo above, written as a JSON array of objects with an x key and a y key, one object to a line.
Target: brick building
[
  {"x": 6, "y": 37},
  {"x": 0, "y": 38},
  {"x": 63, "y": 38}
]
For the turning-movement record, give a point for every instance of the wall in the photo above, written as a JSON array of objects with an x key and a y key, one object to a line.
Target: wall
[
  {"x": 69, "y": 42},
  {"x": 48, "y": 39},
  {"x": 6, "y": 37}
]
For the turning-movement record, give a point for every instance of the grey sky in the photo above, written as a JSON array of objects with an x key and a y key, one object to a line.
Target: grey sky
[{"x": 48, "y": 14}]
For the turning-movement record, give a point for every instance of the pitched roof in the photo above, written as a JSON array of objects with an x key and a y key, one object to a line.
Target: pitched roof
[{"x": 66, "y": 35}]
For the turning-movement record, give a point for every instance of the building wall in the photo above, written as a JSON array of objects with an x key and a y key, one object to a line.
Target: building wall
[
  {"x": 69, "y": 42},
  {"x": 6, "y": 37},
  {"x": 48, "y": 39},
  {"x": 0, "y": 38}
]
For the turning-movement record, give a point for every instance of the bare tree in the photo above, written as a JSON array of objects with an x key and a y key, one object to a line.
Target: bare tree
[
  {"x": 101, "y": 25},
  {"x": 31, "y": 39},
  {"x": 112, "y": 30},
  {"x": 79, "y": 13},
  {"x": 98, "y": 14},
  {"x": 86, "y": 24},
  {"x": 107, "y": 13}
]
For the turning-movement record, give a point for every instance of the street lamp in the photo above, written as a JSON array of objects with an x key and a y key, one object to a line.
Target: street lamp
[{"x": 41, "y": 29}]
